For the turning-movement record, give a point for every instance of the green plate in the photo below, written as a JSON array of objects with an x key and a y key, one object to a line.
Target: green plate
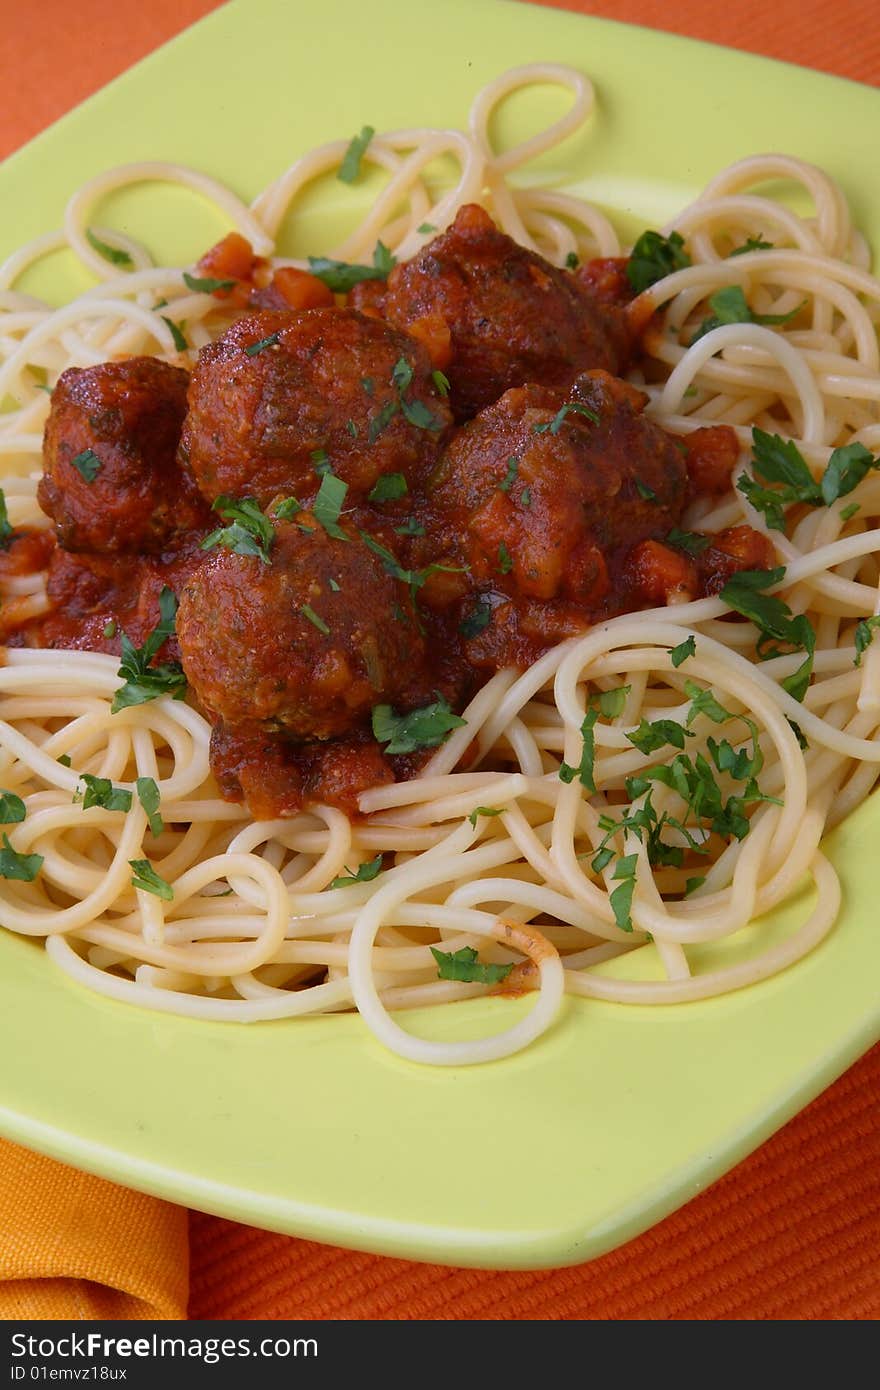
[{"x": 617, "y": 1115}]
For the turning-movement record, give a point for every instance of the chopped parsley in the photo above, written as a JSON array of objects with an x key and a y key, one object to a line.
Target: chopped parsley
[
  {"x": 315, "y": 619},
  {"x": 206, "y": 284},
  {"x": 320, "y": 461},
  {"x": 427, "y": 727},
  {"x": 848, "y": 512},
  {"x": 774, "y": 619},
  {"x": 148, "y": 796},
  {"x": 662, "y": 733},
  {"x": 65, "y": 760},
  {"x": 681, "y": 653},
  {"x": 779, "y": 461},
  {"x": 251, "y": 531},
  {"x": 340, "y": 277},
  {"x": 729, "y": 305},
  {"x": 505, "y": 559},
  {"x": 646, "y": 493},
  {"x": 752, "y": 243},
  {"x": 146, "y": 878},
  {"x": 525, "y": 497},
  {"x": 463, "y": 965},
  {"x": 484, "y": 811},
  {"x": 12, "y": 808},
  {"x": 509, "y": 478},
  {"x": 381, "y": 420},
  {"x": 87, "y": 464},
  {"x": 100, "y": 791},
  {"x": 410, "y": 527},
  {"x": 425, "y": 228},
  {"x": 254, "y": 349},
  {"x": 142, "y": 681},
  {"x": 555, "y": 425},
  {"x": 365, "y": 873},
  {"x": 584, "y": 770},
  {"x": 477, "y": 619},
  {"x": 176, "y": 332},
  {"x": 653, "y": 257},
  {"x": 109, "y": 628},
  {"x": 441, "y": 381},
  {"x": 622, "y": 896},
  {"x": 388, "y": 488},
  {"x": 692, "y": 884},
  {"x": 114, "y": 254},
  {"x": 692, "y": 542},
  {"x": 327, "y": 506},
  {"x": 24, "y": 867},
  {"x": 350, "y": 168},
  {"x": 572, "y": 261},
  {"x": 864, "y": 636},
  {"x": 287, "y": 508}
]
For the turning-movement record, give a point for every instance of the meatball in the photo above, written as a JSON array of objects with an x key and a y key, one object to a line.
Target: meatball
[
  {"x": 280, "y": 391},
  {"x": 305, "y": 644},
  {"x": 112, "y": 482},
  {"x": 540, "y": 490},
  {"x": 512, "y": 317}
]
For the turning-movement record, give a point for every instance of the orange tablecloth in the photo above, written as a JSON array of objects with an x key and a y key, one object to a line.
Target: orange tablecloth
[{"x": 792, "y": 1233}]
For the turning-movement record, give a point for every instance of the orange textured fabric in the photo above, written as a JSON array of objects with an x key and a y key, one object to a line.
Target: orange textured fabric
[
  {"x": 792, "y": 1233},
  {"x": 76, "y": 1247}
]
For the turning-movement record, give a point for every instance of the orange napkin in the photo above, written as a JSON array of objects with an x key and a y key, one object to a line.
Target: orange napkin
[
  {"x": 76, "y": 1247},
  {"x": 792, "y": 1233}
]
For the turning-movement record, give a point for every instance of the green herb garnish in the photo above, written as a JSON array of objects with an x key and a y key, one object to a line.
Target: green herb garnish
[
  {"x": 144, "y": 682},
  {"x": 148, "y": 796},
  {"x": 24, "y": 867},
  {"x": 315, "y": 619},
  {"x": 113, "y": 254},
  {"x": 12, "y": 808},
  {"x": 681, "y": 653},
  {"x": 365, "y": 873},
  {"x": 571, "y": 407},
  {"x": 729, "y": 306},
  {"x": 100, "y": 791},
  {"x": 254, "y": 349},
  {"x": 653, "y": 257},
  {"x": 388, "y": 488},
  {"x": 350, "y": 167},
  {"x": 340, "y": 277},
  {"x": 427, "y": 727},
  {"x": 146, "y": 878},
  {"x": 87, "y": 464},
  {"x": 205, "y": 284},
  {"x": 251, "y": 532},
  {"x": 463, "y": 965}
]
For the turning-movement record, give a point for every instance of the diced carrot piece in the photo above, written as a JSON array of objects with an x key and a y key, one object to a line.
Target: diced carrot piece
[
  {"x": 432, "y": 332},
  {"x": 712, "y": 453},
  {"x": 663, "y": 575},
  {"x": 231, "y": 259},
  {"x": 300, "y": 290}
]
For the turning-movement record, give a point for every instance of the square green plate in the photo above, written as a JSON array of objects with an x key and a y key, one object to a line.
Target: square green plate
[{"x": 618, "y": 1115}]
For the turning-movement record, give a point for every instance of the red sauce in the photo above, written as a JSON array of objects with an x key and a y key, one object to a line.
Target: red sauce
[{"x": 459, "y": 549}]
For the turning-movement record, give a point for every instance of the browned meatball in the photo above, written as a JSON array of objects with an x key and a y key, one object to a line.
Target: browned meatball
[
  {"x": 306, "y": 643},
  {"x": 540, "y": 490},
  {"x": 112, "y": 481},
  {"x": 512, "y": 317},
  {"x": 280, "y": 391}
]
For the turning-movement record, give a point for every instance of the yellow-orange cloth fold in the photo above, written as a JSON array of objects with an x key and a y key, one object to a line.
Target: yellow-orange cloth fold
[{"x": 77, "y": 1247}]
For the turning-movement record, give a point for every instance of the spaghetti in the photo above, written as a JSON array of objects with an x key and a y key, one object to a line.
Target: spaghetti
[{"x": 561, "y": 846}]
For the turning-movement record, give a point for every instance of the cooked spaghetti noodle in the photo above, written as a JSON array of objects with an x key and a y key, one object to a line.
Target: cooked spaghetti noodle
[{"x": 504, "y": 857}]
